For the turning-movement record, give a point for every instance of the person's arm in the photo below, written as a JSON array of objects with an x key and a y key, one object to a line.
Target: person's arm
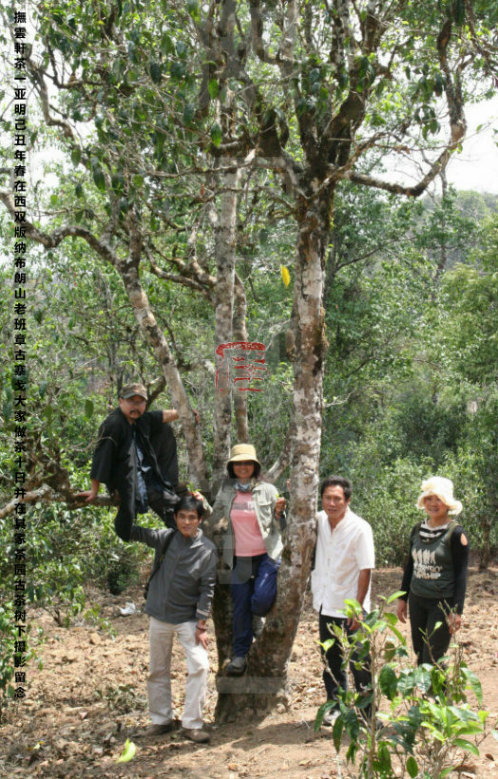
[
  {"x": 460, "y": 555},
  {"x": 146, "y": 535},
  {"x": 401, "y": 606},
  {"x": 206, "y": 591},
  {"x": 362, "y": 586},
  {"x": 102, "y": 460}
]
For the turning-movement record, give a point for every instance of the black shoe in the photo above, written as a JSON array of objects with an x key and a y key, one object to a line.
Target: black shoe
[
  {"x": 160, "y": 729},
  {"x": 236, "y": 666}
]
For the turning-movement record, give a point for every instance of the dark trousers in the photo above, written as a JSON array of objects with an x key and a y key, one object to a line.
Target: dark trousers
[
  {"x": 159, "y": 503},
  {"x": 335, "y": 675},
  {"x": 429, "y": 644},
  {"x": 253, "y": 588}
]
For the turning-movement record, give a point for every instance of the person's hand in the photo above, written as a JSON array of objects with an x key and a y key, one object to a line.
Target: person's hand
[
  {"x": 401, "y": 610},
  {"x": 454, "y": 622},
  {"x": 353, "y": 623},
  {"x": 170, "y": 414},
  {"x": 201, "y": 636},
  {"x": 279, "y": 506},
  {"x": 88, "y": 495}
]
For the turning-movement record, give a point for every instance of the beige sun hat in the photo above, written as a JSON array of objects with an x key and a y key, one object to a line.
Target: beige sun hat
[
  {"x": 443, "y": 489},
  {"x": 243, "y": 452}
]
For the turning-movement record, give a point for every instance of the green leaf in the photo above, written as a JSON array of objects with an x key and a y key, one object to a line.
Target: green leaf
[
  {"x": 467, "y": 745},
  {"x": 156, "y": 72},
  {"x": 474, "y": 683},
  {"x": 213, "y": 88},
  {"x": 395, "y": 596},
  {"x": 188, "y": 113},
  {"x": 216, "y": 134},
  {"x": 388, "y": 682},
  {"x": 99, "y": 178},
  {"x": 88, "y": 408},
  {"x": 337, "y": 732},
  {"x": 412, "y": 767},
  {"x": 128, "y": 752},
  {"x": 76, "y": 156}
]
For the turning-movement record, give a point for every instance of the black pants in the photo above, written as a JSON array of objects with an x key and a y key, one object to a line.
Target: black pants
[
  {"x": 161, "y": 505},
  {"x": 159, "y": 502},
  {"x": 429, "y": 644},
  {"x": 335, "y": 676}
]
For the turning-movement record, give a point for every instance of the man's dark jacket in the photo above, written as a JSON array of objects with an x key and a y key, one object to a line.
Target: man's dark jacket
[{"x": 115, "y": 461}]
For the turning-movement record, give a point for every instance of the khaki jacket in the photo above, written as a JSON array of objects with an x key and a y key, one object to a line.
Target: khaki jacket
[{"x": 264, "y": 497}]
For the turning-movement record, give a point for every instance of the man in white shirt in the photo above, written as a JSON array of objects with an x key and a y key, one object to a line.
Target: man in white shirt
[{"x": 344, "y": 560}]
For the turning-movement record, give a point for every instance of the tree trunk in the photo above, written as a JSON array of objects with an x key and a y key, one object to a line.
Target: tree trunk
[
  {"x": 264, "y": 684},
  {"x": 225, "y": 238},
  {"x": 240, "y": 334}
]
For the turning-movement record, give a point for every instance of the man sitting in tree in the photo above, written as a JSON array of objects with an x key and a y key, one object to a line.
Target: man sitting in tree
[{"x": 136, "y": 457}]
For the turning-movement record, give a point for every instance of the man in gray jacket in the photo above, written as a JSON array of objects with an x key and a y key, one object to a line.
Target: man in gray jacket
[{"x": 179, "y": 598}]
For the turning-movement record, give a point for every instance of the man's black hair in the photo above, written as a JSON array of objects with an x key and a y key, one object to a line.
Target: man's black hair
[
  {"x": 257, "y": 469},
  {"x": 190, "y": 503},
  {"x": 337, "y": 481}
]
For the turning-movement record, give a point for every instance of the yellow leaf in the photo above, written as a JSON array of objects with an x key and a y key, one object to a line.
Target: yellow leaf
[
  {"x": 128, "y": 752},
  {"x": 285, "y": 275}
]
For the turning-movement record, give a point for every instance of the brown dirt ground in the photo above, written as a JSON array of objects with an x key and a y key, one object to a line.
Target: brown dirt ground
[{"x": 90, "y": 696}]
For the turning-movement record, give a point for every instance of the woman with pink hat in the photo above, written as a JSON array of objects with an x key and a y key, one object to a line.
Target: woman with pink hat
[
  {"x": 251, "y": 547},
  {"x": 435, "y": 576}
]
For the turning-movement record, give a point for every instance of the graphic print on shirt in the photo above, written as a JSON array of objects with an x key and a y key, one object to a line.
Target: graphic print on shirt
[{"x": 425, "y": 565}]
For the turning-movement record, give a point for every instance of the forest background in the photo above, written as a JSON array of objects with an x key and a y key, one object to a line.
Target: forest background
[{"x": 217, "y": 173}]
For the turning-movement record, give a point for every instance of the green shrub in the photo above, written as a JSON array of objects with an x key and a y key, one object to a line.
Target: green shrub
[{"x": 420, "y": 719}]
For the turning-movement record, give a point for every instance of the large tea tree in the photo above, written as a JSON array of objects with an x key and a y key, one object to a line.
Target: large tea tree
[{"x": 177, "y": 113}]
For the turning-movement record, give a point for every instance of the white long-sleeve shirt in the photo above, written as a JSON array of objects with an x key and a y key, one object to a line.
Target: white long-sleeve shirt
[{"x": 341, "y": 554}]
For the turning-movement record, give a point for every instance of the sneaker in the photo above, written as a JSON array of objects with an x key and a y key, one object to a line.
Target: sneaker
[
  {"x": 197, "y": 734},
  {"x": 258, "y": 624},
  {"x": 330, "y": 717},
  {"x": 236, "y": 666},
  {"x": 160, "y": 729}
]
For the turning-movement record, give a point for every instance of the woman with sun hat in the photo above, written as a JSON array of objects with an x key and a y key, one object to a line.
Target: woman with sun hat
[
  {"x": 252, "y": 546},
  {"x": 435, "y": 576}
]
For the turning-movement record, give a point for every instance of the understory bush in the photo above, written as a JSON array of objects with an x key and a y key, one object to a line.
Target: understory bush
[{"x": 420, "y": 721}]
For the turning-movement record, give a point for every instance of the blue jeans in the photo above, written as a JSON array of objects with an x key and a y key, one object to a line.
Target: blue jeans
[{"x": 253, "y": 588}]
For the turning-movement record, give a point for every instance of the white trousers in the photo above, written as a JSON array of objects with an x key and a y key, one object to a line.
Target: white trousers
[{"x": 161, "y": 636}]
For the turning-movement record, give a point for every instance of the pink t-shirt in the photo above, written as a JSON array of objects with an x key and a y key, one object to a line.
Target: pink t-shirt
[{"x": 248, "y": 539}]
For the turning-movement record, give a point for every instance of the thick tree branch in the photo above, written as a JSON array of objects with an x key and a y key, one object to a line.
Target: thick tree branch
[
  {"x": 52, "y": 240},
  {"x": 46, "y": 494}
]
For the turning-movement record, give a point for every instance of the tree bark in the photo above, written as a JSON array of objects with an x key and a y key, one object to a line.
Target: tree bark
[
  {"x": 225, "y": 240},
  {"x": 240, "y": 334}
]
